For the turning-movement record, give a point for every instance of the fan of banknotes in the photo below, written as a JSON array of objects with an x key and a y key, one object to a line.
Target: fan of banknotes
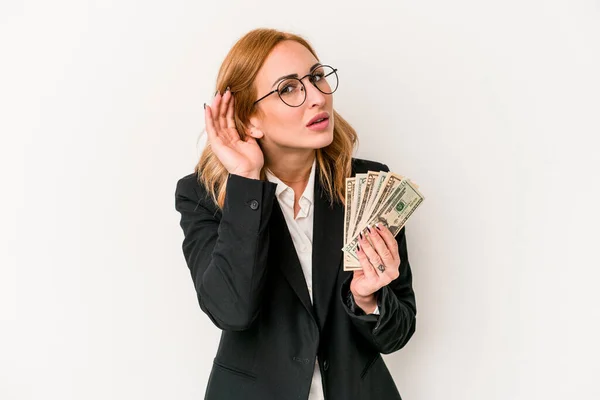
[{"x": 383, "y": 197}]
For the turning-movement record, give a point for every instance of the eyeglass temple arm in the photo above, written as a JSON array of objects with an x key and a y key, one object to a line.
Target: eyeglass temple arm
[{"x": 266, "y": 95}]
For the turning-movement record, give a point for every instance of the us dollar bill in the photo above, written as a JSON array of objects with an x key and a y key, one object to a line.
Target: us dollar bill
[
  {"x": 363, "y": 200},
  {"x": 393, "y": 211},
  {"x": 391, "y": 181},
  {"x": 382, "y": 178},
  {"x": 350, "y": 263},
  {"x": 350, "y": 183},
  {"x": 379, "y": 178},
  {"x": 360, "y": 180}
]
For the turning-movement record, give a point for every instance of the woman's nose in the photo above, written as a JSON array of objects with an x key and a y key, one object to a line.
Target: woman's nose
[{"x": 314, "y": 97}]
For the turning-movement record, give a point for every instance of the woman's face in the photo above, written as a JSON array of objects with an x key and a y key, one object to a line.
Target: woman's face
[{"x": 280, "y": 126}]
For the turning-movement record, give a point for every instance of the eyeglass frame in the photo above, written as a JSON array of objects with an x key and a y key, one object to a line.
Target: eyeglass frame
[{"x": 300, "y": 79}]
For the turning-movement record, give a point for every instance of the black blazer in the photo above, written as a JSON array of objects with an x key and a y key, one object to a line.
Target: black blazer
[{"x": 250, "y": 283}]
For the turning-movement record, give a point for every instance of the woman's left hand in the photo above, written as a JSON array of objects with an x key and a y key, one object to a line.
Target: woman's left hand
[{"x": 380, "y": 264}]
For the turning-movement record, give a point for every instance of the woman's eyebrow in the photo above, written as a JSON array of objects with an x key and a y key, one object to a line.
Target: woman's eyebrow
[{"x": 294, "y": 75}]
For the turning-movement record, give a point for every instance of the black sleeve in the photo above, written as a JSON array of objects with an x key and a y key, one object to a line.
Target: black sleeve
[
  {"x": 396, "y": 323},
  {"x": 227, "y": 256}
]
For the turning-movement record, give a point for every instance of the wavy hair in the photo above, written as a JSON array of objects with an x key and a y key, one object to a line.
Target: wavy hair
[{"x": 238, "y": 71}]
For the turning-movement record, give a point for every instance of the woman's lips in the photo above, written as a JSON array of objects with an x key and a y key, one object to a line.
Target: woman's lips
[
  {"x": 321, "y": 115},
  {"x": 319, "y": 126}
]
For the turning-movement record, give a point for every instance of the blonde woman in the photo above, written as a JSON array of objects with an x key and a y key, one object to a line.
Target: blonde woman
[{"x": 263, "y": 215}]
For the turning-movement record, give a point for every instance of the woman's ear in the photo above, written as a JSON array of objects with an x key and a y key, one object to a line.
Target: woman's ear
[{"x": 252, "y": 130}]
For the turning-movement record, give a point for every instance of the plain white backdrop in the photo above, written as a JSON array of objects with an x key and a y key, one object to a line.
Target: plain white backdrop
[{"x": 491, "y": 107}]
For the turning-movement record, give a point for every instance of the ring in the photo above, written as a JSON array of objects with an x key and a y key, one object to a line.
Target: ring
[{"x": 381, "y": 267}]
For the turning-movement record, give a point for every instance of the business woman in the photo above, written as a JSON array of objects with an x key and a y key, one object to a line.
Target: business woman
[{"x": 262, "y": 217}]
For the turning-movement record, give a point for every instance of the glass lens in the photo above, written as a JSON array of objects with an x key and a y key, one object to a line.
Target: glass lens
[
  {"x": 325, "y": 79},
  {"x": 291, "y": 92}
]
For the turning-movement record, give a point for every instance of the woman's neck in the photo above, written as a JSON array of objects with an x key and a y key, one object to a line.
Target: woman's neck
[{"x": 292, "y": 170}]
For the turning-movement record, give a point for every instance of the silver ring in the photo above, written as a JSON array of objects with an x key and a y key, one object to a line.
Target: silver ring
[{"x": 381, "y": 267}]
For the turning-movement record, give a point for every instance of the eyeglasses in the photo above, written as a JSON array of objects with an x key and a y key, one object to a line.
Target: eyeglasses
[{"x": 293, "y": 92}]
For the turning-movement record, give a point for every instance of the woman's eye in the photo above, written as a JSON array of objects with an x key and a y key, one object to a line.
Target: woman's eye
[{"x": 288, "y": 87}]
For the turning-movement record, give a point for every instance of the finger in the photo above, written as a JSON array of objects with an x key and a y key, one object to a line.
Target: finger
[
  {"x": 379, "y": 256},
  {"x": 389, "y": 240},
  {"x": 216, "y": 104},
  {"x": 369, "y": 249},
  {"x": 213, "y": 135},
  {"x": 391, "y": 266},
  {"x": 370, "y": 252},
  {"x": 366, "y": 265},
  {"x": 223, "y": 108},
  {"x": 209, "y": 122},
  {"x": 231, "y": 130},
  {"x": 231, "y": 113},
  {"x": 381, "y": 247}
]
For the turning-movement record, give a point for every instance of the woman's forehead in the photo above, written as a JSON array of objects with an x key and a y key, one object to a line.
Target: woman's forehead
[{"x": 288, "y": 57}]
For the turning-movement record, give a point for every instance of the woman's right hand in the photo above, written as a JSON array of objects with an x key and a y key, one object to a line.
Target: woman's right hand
[{"x": 239, "y": 157}]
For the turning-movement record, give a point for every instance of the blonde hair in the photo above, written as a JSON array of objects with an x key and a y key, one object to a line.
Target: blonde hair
[{"x": 238, "y": 71}]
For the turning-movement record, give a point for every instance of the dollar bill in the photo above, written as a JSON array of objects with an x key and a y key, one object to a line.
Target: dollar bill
[
  {"x": 377, "y": 180},
  {"x": 360, "y": 180},
  {"x": 350, "y": 263},
  {"x": 350, "y": 183},
  {"x": 393, "y": 209},
  {"x": 363, "y": 199},
  {"x": 382, "y": 178},
  {"x": 391, "y": 181}
]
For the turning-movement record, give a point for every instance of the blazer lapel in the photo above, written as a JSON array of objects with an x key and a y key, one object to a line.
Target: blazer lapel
[
  {"x": 282, "y": 243},
  {"x": 328, "y": 239},
  {"x": 328, "y": 235}
]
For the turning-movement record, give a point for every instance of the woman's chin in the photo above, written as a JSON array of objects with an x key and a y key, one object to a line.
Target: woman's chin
[{"x": 323, "y": 139}]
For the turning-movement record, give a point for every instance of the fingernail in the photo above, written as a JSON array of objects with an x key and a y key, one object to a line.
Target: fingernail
[
  {"x": 358, "y": 247},
  {"x": 361, "y": 236},
  {"x": 205, "y": 106},
  {"x": 369, "y": 229},
  {"x": 215, "y": 93},
  {"x": 227, "y": 89},
  {"x": 377, "y": 226}
]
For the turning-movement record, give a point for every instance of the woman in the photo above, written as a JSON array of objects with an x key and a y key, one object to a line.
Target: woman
[{"x": 263, "y": 217}]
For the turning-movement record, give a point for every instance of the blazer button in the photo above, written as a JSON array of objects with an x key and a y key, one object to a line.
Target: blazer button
[
  {"x": 254, "y": 204},
  {"x": 325, "y": 365}
]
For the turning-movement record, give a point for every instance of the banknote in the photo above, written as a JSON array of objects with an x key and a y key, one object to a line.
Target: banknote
[
  {"x": 350, "y": 182},
  {"x": 363, "y": 200},
  {"x": 386, "y": 187},
  {"x": 359, "y": 185},
  {"x": 373, "y": 185},
  {"x": 384, "y": 197},
  {"x": 350, "y": 263}
]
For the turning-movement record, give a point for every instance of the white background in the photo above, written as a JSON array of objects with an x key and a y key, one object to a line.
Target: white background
[{"x": 492, "y": 107}]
